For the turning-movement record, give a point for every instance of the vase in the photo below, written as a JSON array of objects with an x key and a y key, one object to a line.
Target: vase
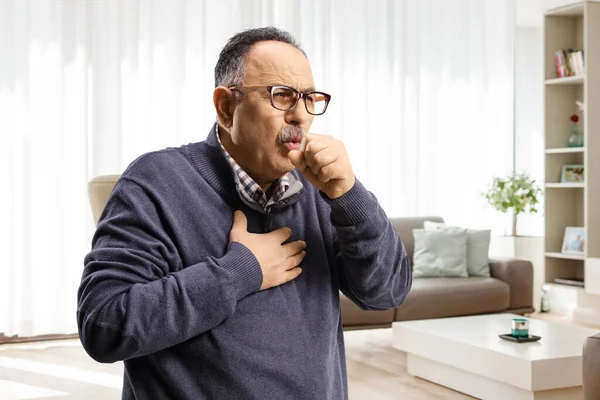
[{"x": 576, "y": 137}]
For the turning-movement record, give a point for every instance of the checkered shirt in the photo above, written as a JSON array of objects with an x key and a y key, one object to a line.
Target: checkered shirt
[{"x": 252, "y": 189}]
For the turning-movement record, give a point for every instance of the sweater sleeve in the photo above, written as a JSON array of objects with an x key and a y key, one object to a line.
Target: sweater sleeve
[
  {"x": 373, "y": 267},
  {"x": 135, "y": 297}
]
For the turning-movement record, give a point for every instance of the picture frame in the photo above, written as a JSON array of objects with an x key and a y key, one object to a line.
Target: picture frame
[
  {"x": 572, "y": 173},
  {"x": 574, "y": 240}
]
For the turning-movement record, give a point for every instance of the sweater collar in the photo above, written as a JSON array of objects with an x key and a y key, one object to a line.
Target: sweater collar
[{"x": 210, "y": 161}]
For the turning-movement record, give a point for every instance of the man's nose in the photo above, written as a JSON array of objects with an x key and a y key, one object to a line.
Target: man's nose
[{"x": 298, "y": 115}]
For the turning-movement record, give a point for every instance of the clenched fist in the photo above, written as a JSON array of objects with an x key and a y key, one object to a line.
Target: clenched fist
[{"x": 325, "y": 163}]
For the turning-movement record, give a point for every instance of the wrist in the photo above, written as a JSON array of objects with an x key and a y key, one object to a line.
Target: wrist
[
  {"x": 354, "y": 206},
  {"x": 339, "y": 190},
  {"x": 244, "y": 268}
]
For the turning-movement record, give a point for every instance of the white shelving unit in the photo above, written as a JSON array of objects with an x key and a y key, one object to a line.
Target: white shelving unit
[
  {"x": 576, "y": 26},
  {"x": 565, "y": 256},
  {"x": 565, "y": 150},
  {"x": 573, "y": 185},
  {"x": 571, "y": 80}
]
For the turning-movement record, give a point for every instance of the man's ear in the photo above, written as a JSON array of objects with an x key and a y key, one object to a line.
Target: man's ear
[{"x": 223, "y": 101}]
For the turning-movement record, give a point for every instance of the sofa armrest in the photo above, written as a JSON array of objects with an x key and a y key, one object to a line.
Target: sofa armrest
[
  {"x": 591, "y": 367},
  {"x": 518, "y": 274}
]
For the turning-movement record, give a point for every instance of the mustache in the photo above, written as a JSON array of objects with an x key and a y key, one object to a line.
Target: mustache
[{"x": 290, "y": 133}]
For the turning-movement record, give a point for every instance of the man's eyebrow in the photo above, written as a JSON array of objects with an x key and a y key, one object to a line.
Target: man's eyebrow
[{"x": 306, "y": 90}]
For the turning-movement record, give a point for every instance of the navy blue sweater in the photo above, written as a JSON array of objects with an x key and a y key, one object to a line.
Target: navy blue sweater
[{"x": 165, "y": 291}]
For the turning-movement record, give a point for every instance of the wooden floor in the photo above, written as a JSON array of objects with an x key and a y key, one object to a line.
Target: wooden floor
[
  {"x": 61, "y": 370},
  {"x": 375, "y": 372}
]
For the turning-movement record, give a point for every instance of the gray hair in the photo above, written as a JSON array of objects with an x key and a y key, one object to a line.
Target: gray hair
[{"x": 231, "y": 66}]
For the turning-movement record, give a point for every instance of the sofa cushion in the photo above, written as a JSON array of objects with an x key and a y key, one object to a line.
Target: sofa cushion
[
  {"x": 478, "y": 247},
  {"x": 405, "y": 225},
  {"x": 449, "y": 297},
  {"x": 440, "y": 253},
  {"x": 352, "y": 315}
]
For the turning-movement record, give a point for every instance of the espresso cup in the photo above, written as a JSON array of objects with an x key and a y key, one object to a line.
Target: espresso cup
[{"x": 520, "y": 327}]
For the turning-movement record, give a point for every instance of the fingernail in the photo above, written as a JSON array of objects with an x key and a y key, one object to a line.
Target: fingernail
[{"x": 303, "y": 144}]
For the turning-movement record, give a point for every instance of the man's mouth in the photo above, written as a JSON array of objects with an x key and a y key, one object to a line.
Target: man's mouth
[
  {"x": 293, "y": 144},
  {"x": 292, "y": 138}
]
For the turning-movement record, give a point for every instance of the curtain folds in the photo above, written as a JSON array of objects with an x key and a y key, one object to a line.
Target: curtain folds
[{"x": 422, "y": 96}]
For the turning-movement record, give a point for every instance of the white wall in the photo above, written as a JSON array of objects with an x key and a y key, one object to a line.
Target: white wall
[
  {"x": 530, "y": 12},
  {"x": 529, "y": 133},
  {"x": 529, "y": 97}
]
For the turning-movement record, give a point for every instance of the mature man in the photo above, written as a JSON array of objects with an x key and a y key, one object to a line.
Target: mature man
[{"x": 216, "y": 267}]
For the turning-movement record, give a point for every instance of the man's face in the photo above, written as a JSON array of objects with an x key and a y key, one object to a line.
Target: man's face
[{"x": 257, "y": 125}]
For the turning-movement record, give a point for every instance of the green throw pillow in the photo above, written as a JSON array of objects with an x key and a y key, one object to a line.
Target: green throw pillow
[
  {"x": 478, "y": 247},
  {"x": 440, "y": 253}
]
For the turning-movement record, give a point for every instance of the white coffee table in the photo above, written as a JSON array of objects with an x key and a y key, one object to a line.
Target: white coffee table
[{"x": 466, "y": 354}]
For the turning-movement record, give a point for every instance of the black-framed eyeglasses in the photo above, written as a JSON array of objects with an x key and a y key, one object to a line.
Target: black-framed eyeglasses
[{"x": 286, "y": 98}]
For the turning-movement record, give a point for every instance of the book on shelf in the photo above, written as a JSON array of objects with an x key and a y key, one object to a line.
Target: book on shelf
[{"x": 569, "y": 62}]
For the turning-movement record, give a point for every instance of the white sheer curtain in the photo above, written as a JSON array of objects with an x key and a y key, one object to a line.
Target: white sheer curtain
[
  {"x": 43, "y": 159},
  {"x": 422, "y": 96}
]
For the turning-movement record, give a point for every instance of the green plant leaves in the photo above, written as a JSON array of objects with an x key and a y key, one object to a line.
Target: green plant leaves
[{"x": 518, "y": 193}]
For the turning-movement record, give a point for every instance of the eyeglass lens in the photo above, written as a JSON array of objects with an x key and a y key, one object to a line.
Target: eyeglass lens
[{"x": 286, "y": 98}]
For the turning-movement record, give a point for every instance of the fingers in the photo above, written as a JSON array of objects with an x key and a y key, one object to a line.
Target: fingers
[
  {"x": 323, "y": 167},
  {"x": 281, "y": 234},
  {"x": 295, "y": 260},
  {"x": 292, "y": 274},
  {"x": 312, "y": 178},
  {"x": 313, "y": 147},
  {"x": 297, "y": 159},
  {"x": 321, "y": 159},
  {"x": 303, "y": 144},
  {"x": 240, "y": 225},
  {"x": 328, "y": 173},
  {"x": 294, "y": 248},
  {"x": 320, "y": 156}
]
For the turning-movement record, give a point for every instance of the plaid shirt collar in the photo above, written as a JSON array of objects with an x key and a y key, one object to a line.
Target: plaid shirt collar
[{"x": 251, "y": 188}]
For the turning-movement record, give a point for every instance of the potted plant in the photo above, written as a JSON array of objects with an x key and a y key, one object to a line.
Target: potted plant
[{"x": 517, "y": 193}]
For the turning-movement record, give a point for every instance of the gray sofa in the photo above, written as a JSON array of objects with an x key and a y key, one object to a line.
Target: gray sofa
[{"x": 509, "y": 289}]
